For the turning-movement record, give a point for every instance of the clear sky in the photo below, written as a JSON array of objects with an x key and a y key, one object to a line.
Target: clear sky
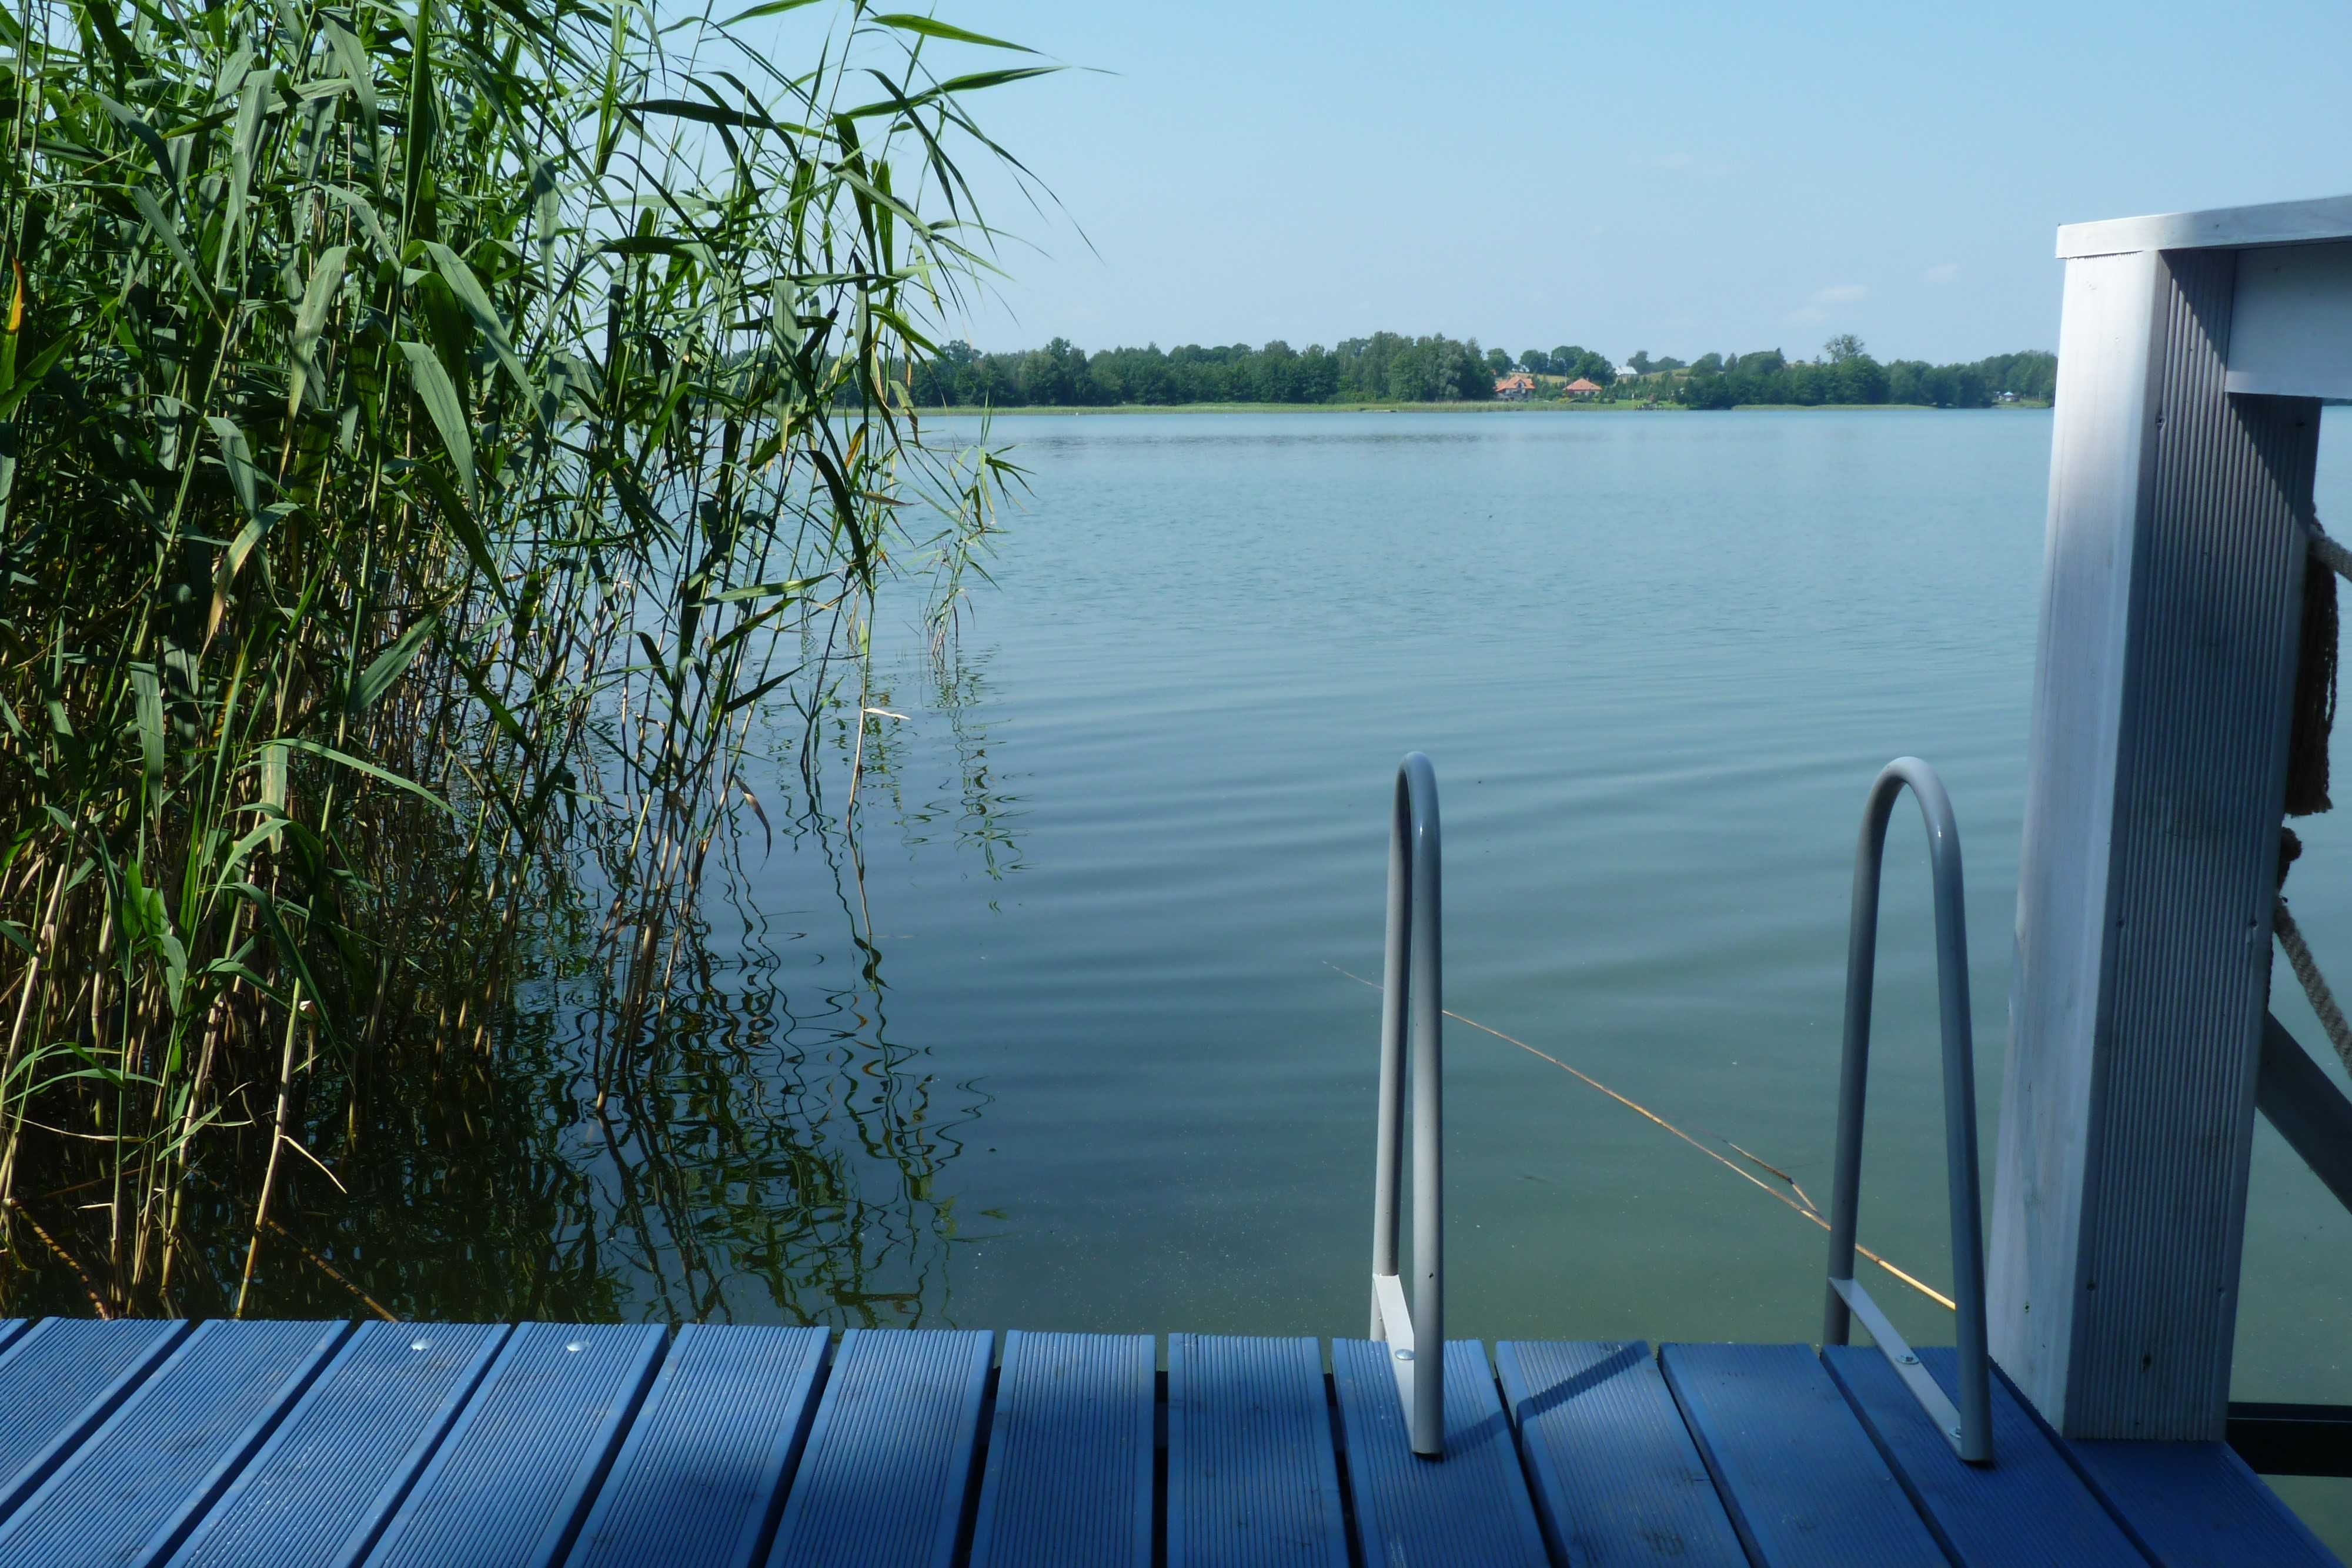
[{"x": 1625, "y": 174}]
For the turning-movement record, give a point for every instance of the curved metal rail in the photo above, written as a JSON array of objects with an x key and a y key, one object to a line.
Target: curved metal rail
[
  {"x": 1969, "y": 1429},
  {"x": 1412, "y": 982}
]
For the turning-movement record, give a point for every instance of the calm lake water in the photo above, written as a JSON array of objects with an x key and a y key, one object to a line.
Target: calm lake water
[
  {"x": 1113, "y": 878},
  {"x": 1060, "y": 1038}
]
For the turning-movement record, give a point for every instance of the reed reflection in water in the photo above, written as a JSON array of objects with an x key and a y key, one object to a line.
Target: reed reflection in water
[{"x": 775, "y": 1155}]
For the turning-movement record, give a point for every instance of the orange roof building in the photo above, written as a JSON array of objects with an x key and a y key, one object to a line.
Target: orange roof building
[{"x": 1580, "y": 387}]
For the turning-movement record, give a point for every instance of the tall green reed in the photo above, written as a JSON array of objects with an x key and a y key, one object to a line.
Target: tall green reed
[{"x": 431, "y": 436}]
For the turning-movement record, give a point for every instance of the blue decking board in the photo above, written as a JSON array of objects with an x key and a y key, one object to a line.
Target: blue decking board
[
  {"x": 1470, "y": 1507},
  {"x": 508, "y": 1486},
  {"x": 2196, "y": 1505},
  {"x": 2027, "y": 1509},
  {"x": 317, "y": 1493},
  {"x": 698, "y": 1481},
  {"x": 1801, "y": 1480},
  {"x": 1617, "y": 1478},
  {"x": 59, "y": 1382},
  {"x": 1068, "y": 1475},
  {"x": 1252, "y": 1480},
  {"x": 890, "y": 1459},
  {"x": 130, "y": 1491},
  {"x": 261, "y": 1444}
]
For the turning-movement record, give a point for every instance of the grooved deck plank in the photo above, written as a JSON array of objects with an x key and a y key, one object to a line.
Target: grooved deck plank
[
  {"x": 698, "y": 1481},
  {"x": 2027, "y": 1509},
  {"x": 278, "y": 1445},
  {"x": 59, "y": 1382},
  {"x": 890, "y": 1456},
  {"x": 1803, "y": 1483},
  {"x": 1617, "y": 1478},
  {"x": 320, "y": 1489},
  {"x": 508, "y": 1484},
  {"x": 2196, "y": 1505},
  {"x": 134, "y": 1486},
  {"x": 1251, "y": 1482},
  {"x": 1068, "y": 1479},
  {"x": 1473, "y": 1506}
]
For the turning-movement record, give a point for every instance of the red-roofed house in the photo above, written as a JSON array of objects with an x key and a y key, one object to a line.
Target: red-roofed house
[
  {"x": 1517, "y": 385},
  {"x": 1580, "y": 387}
]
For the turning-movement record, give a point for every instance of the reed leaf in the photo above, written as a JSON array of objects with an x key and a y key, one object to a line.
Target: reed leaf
[{"x": 375, "y": 377}]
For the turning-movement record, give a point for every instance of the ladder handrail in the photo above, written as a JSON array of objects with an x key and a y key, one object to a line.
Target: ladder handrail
[
  {"x": 1412, "y": 981},
  {"x": 1969, "y": 1430}
]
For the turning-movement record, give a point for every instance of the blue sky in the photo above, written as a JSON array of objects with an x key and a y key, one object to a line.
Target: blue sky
[{"x": 1628, "y": 174}]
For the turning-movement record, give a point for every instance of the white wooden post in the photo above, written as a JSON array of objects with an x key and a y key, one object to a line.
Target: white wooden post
[{"x": 2180, "y": 481}]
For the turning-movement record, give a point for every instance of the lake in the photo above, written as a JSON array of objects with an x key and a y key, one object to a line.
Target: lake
[
  {"x": 1656, "y": 660},
  {"x": 1061, "y": 1039}
]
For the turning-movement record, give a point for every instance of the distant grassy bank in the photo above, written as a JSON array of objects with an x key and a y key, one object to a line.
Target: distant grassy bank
[
  {"x": 1455, "y": 407},
  {"x": 1906, "y": 407},
  {"x": 974, "y": 410}
]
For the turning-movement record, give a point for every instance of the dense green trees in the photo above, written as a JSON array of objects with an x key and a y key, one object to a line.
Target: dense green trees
[
  {"x": 1570, "y": 361},
  {"x": 1389, "y": 367},
  {"x": 2029, "y": 372},
  {"x": 1846, "y": 373},
  {"x": 1384, "y": 367}
]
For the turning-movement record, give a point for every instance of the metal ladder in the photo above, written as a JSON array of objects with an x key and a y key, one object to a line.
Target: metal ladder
[
  {"x": 1969, "y": 1429},
  {"x": 1412, "y": 981},
  {"x": 1412, "y": 1024}
]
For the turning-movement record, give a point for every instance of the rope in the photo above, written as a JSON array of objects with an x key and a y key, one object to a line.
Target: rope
[
  {"x": 2332, "y": 555},
  {"x": 2315, "y": 984}
]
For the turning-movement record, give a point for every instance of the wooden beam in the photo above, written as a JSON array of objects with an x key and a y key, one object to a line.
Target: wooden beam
[
  {"x": 2298, "y": 1099},
  {"x": 2293, "y": 1439},
  {"x": 2221, "y": 228},
  {"x": 2170, "y": 612},
  {"x": 2290, "y": 326}
]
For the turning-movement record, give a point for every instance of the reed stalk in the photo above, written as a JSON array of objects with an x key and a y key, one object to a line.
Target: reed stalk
[{"x": 433, "y": 435}]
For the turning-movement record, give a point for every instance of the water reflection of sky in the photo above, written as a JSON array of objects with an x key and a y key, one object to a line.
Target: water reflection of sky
[{"x": 1052, "y": 1040}]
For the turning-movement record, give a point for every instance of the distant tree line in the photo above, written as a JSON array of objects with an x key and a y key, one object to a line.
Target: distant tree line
[
  {"x": 1389, "y": 367},
  {"x": 1845, "y": 373},
  {"x": 1386, "y": 367}
]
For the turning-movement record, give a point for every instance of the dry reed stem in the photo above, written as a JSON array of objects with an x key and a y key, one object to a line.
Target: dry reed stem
[
  {"x": 89, "y": 1287},
  {"x": 328, "y": 1269},
  {"x": 1804, "y": 1209},
  {"x": 277, "y": 1144}
]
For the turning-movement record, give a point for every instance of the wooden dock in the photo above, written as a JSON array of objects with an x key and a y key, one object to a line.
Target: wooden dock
[{"x": 274, "y": 1445}]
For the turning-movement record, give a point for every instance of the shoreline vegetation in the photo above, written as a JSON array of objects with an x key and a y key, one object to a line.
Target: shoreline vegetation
[
  {"x": 440, "y": 444},
  {"x": 1393, "y": 369},
  {"x": 1554, "y": 406}
]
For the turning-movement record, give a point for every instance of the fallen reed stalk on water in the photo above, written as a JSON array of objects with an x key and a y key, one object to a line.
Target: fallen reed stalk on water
[{"x": 1799, "y": 1204}]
